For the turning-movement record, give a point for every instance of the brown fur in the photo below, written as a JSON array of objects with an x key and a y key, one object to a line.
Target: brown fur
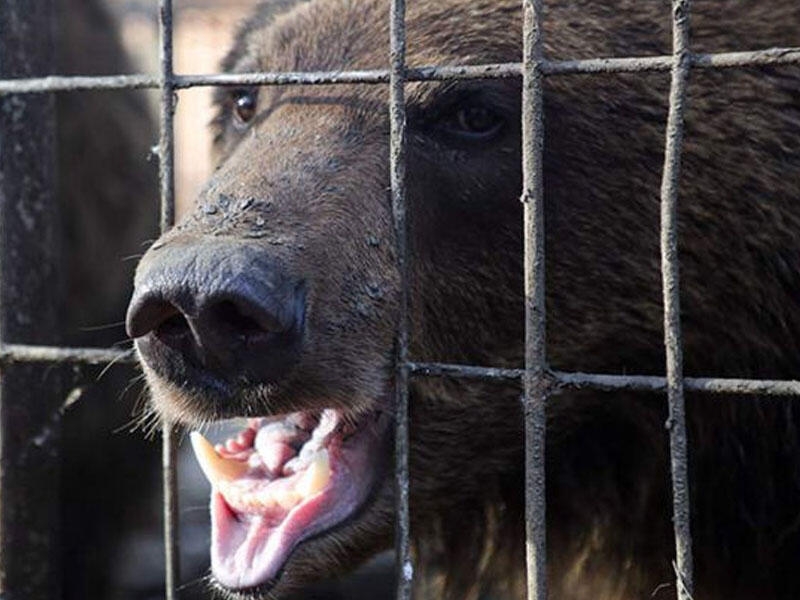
[{"x": 315, "y": 164}]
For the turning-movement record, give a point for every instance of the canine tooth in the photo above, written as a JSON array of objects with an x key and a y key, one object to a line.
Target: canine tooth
[
  {"x": 328, "y": 421},
  {"x": 216, "y": 468},
  {"x": 309, "y": 450},
  {"x": 316, "y": 476}
]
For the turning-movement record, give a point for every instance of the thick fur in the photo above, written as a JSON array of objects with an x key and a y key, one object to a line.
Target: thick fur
[{"x": 315, "y": 164}]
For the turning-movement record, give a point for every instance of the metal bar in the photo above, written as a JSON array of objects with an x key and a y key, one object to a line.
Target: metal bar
[
  {"x": 722, "y": 60},
  {"x": 18, "y": 353},
  {"x": 534, "y": 378},
  {"x": 464, "y": 371},
  {"x": 397, "y": 179},
  {"x": 676, "y": 423},
  {"x": 169, "y": 464},
  {"x": 169, "y": 432},
  {"x": 604, "y": 382},
  {"x": 21, "y": 353},
  {"x": 635, "y": 64},
  {"x": 166, "y": 146},
  {"x": 30, "y": 395},
  {"x": 647, "y": 383},
  {"x": 77, "y": 83}
]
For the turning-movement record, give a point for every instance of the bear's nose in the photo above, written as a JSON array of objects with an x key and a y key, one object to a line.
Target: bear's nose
[{"x": 217, "y": 308}]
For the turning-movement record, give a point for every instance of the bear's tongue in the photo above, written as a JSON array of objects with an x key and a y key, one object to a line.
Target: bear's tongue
[{"x": 276, "y": 484}]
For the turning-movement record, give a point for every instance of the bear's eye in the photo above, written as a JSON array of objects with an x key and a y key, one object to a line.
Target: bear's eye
[
  {"x": 245, "y": 103},
  {"x": 473, "y": 122}
]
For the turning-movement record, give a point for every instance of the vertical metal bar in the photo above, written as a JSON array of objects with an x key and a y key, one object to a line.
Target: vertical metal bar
[
  {"x": 166, "y": 146},
  {"x": 29, "y": 249},
  {"x": 535, "y": 397},
  {"x": 166, "y": 154},
  {"x": 397, "y": 175},
  {"x": 169, "y": 446},
  {"x": 676, "y": 422}
]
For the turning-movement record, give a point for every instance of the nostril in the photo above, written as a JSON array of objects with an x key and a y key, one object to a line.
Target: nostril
[
  {"x": 230, "y": 317},
  {"x": 174, "y": 326},
  {"x": 213, "y": 313},
  {"x": 152, "y": 314}
]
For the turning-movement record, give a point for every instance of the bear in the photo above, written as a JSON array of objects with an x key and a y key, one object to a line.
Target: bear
[{"x": 277, "y": 298}]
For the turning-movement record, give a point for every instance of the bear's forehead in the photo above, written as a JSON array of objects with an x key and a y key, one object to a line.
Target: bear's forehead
[{"x": 331, "y": 35}]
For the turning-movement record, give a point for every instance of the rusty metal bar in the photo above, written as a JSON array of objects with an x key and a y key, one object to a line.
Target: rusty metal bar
[
  {"x": 634, "y": 64},
  {"x": 77, "y": 83},
  {"x": 676, "y": 423},
  {"x": 166, "y": 146},
  {"x": 560, "y": 380},
  {"x": 534, "y": 377},
  {"x": 464, "y": 371},
  {"x": 30, "y": 395},
  {"x": 397, "y": 179},
  {"x": 169, "y": 431},
  {"x": 647, "y": 383},
  {"x": 22, "y": 353},
  {"x": 722, "y": 60}
]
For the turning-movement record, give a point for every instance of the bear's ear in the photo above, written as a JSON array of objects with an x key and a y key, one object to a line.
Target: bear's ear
[{"x": 265, "y": 13}]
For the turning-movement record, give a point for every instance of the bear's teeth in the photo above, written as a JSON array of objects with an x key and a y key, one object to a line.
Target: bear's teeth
[
  {"x": 316, "y": 476},
  {"x": 216, "y": 468}
]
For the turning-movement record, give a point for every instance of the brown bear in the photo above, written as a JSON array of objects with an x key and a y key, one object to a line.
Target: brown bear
[{"x": 277, "y": 299}]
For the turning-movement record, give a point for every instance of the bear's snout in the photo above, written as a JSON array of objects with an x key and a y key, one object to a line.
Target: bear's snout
[{"x": 216, "y": 313}]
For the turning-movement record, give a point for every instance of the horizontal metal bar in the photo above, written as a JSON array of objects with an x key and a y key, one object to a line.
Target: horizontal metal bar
[
  {"x": 18, "y": 353},
  {"x": 68, "y": 83},
  {"x": 722, "y": 60},
  {"x": 603, "y": 382},
  {"x": 463, "y": 371},
  {"x": 10, "y": 353},
  {"x": 756, "y": 58},
  {"x": 644, "y": 383}
]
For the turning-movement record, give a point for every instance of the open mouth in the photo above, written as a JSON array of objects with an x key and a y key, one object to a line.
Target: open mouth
[{"x": 281, "y": 481}]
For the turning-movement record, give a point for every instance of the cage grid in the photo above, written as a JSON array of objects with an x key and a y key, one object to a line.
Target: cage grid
[{"x": 537, "y": 380}]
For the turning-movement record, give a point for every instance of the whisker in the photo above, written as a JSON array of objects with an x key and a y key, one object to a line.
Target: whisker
[
  {"x": 203, "y": 579},
  {"x": 101, "y": 327},
  {"x": 110, "y": 364}
]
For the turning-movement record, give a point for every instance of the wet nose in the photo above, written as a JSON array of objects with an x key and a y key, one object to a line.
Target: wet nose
[{"x": 215, "y": 308}]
